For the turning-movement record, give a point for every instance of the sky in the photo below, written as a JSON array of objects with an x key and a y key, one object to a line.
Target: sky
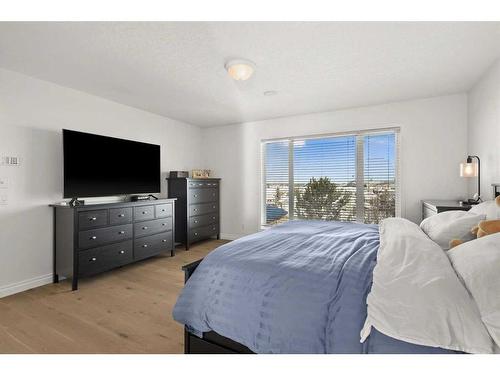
[{"x": 333, "y": 157}]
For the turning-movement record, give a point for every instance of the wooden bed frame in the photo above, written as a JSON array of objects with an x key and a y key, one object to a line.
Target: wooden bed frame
[{"x": 211, "y": 342}]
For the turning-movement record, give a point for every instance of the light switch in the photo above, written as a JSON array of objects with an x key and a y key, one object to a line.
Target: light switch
[
  {"x": 12, "y": 161},
  {"x": 4, "y": 182}
]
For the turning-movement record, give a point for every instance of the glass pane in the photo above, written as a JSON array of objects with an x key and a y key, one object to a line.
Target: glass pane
[
  {"x": 379, "y": 177},
  {"x": 276, "y": 181},
  {"x": 325, "y": 178}
]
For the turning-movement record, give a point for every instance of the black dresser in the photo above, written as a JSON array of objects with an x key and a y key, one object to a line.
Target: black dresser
[
  {"x": 91, "y": 239},
  {"x": 196, "y": 209}
]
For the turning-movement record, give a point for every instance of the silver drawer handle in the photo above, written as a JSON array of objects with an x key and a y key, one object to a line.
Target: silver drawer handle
[
  {"x": 93, "y": 259},
  {"x": 144, "y": 245},
  {"x": 121, "y": 215},
  {"x": 144, "y": 228},
  {"x": 196, "y": 221},
  {"x": 144, "y": 212},
  {"x": 93, "y": 219},
  {"x": 213, "y": 206},
  {"x": 213, "y": 217},
  {"x": 195, "y": 234},
  {"x": 121, "y": 232},
  {"x": 122, "y": 252},
  {"x": 162, "y": 210},
  {"x": 195, "y": 209},
  {"x": 163, "y": 224},
  {"x": 196, "y": 195},
  {"x": 93, "y": 238},
  {"x": 163, "y": 240}
]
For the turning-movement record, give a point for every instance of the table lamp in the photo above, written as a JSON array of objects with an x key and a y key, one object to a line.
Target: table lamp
[{"x": 470, "y": 169}]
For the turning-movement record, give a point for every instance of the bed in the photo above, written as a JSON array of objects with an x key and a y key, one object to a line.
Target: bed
[{"x": 313, "y": 287}]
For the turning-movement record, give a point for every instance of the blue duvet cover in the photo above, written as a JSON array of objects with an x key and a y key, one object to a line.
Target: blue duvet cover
[{"x": 299, "y": 287}]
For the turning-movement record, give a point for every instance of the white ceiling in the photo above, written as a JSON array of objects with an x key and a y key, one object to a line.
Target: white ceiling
[{"x": 176, "y": 69}]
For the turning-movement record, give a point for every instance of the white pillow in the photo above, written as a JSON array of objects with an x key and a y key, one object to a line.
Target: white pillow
[
  {"x": 489, "y": 208},
  {"x": 449, "y": 225},
  {"x": 478, "y": 264}
]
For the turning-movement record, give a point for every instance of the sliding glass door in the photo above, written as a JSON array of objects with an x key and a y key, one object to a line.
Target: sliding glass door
[{"x": 348, "y": 177}]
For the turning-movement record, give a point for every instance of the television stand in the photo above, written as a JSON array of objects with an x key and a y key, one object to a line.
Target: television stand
[{"x": 90, "y": 239}]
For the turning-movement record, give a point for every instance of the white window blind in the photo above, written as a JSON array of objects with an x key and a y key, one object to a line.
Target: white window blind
[
  {"x": 348, "y": 177},
  {"x": 277, "y": 191},
  {"x": 379, "y": 193},
  {"x": 324, "y": 178}
]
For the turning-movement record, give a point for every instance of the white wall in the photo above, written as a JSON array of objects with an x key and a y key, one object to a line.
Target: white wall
[
  {"x": 32, "y": 114},
  {"x": 484, "y": 129},
  {"x": 433, "y": 142}
]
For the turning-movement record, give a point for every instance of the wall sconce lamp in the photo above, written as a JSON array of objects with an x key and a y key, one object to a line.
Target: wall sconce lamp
[{"x": 470, "y": 169}]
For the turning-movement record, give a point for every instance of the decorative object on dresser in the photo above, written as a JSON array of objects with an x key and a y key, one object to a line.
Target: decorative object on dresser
[
  {"x": 179, "y": 174},
  {"x": 91, "y": 239},
  {"x": 433, "y": 207},
  {"x": 201, "y": 173},
  {"x": 196, "y": 209}
]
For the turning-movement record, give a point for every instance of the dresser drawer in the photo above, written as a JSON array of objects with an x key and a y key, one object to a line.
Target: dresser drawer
[
  {"x": 147, "y": 228},
  {"x": 203, "y": 195},
  {"x": 104, "y": 258},
  {"x": 144, "y": 213},
  {"x": 98, "y": 237},
  {"x": 203, "y": 184},
  {"x": 203, "y": 220},
  {"x": 163, "y": 210},
  {"x": 92, "y": 219},
  {"x": 119, "y": 216},
  {"x": 152, "y": 245},
  {"x": 203, "y": 232},
  {"x": 202, "y": 208}
]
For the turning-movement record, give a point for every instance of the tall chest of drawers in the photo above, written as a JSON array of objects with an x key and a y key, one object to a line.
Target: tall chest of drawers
[
  {"x": 91, "y": 239},
  {"x": 197, "y": 212}
]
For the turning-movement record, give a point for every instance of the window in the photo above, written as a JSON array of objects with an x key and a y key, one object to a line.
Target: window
[{"x": 348, "y": 177}]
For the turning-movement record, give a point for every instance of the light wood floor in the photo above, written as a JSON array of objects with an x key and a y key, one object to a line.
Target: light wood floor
[{"x": 127, "y": 310}]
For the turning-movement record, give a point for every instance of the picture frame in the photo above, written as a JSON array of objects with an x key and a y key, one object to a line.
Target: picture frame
[{"x": 200, "y": 173}]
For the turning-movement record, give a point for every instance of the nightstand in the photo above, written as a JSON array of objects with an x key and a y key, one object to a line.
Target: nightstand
[{"x": 434, "y": 206}]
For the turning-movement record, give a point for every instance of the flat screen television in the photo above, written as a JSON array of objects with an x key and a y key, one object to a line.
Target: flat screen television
[{"x": 96, "y": 166}]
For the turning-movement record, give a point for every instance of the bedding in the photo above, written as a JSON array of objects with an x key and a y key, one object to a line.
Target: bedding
[
  {"x": 490, "y": 209},
  {"x": 450, "y": 225},
  {"x": 299, "y": 287},
  {"x": 478, "y": 265},
  {"x": 417, "y": 297}
]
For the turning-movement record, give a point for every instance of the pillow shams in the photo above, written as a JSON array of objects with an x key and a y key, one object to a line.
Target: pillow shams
[
  {"x": 449, "y": 225},
  {"x": 478, "y": 265},
  {"x": 489, "y": 208}
]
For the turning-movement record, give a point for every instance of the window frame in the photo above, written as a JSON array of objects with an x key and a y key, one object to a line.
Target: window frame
[{"x": 359, "y": 134}]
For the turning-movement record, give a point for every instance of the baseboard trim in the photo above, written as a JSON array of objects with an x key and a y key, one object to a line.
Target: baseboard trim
[
  {"x": 21, "y": 286},
  {"x": 230, "y": 236}
]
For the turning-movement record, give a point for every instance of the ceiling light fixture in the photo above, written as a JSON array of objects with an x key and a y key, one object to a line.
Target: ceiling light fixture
[{"x": 240, "y": 70}]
